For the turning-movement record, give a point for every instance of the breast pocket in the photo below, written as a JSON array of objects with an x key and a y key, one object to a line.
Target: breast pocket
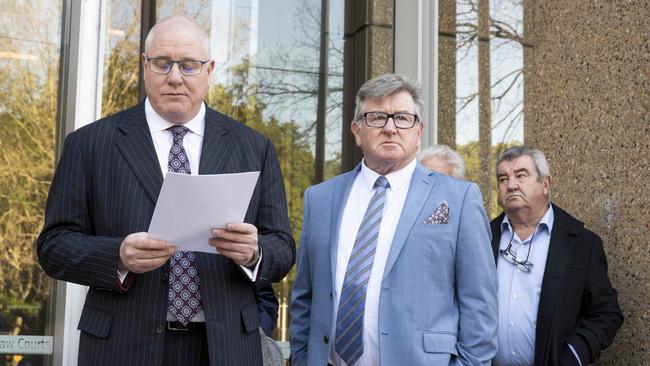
[
  {"x": 433, "y": 241},
  {"x": 431, "y": 249}
]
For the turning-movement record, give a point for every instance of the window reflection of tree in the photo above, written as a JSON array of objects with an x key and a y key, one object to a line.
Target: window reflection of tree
[
  {"x": 260, "y": 93},
  {"x": 489, "y": 37},
  {"x": 199, "y": 10},
  {"x": 503, "y": 33},
  {"x": 276, "y": 95},
  {"x": 29, "y": 70},
  {"x": 122, "y": 56}
]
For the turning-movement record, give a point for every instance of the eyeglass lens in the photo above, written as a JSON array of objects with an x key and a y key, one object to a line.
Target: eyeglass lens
[
  {"x": 186, "y": 67},
  {"x": 511, "y": 257},
  {"x": 379, "y": 119}
]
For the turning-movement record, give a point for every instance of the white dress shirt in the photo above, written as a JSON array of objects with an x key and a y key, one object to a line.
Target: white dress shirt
[
  {"x": 355, "y": 208},
  {"x": 163, "y": 139},
  {"x": 192, "y": 142}
]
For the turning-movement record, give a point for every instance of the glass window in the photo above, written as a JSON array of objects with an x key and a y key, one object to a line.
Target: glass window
[
  {"x": 121, "y": 56},
  {"x": 267, "y": 76},
  {"x": 30, "y": 34},
  {"x": 489, "y": 80}
]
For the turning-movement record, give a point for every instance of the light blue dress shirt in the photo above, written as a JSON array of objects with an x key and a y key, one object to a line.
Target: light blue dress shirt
[{"x": 519, "y": 292}]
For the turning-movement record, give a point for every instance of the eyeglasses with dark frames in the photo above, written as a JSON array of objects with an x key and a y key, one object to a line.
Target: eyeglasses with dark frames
[
  {"x": 509, "y": 256},
  {"x": 163, "y": 65},
  {"x": 401, "y": 120}
]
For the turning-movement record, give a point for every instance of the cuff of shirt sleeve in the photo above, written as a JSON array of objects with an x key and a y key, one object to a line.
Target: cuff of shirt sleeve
[
  {"x": 124, "y": 280},
  {"x": 581, "y": 349},
  {"x": 573, "y": 350},
  {"x": 251, "y": 273}
]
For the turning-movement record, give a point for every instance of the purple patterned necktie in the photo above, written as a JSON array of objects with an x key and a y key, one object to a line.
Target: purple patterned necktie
[{"x": 184, "y": 289}]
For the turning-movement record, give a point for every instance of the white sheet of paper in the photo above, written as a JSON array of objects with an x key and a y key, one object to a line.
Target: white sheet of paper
[{"x": 190, "y": 206}]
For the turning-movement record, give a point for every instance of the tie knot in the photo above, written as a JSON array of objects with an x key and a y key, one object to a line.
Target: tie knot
[
  {"x": 382, "y": 182},
  {"x": 178, "y": 131}
]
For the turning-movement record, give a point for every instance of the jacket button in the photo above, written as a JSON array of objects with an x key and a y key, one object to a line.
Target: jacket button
[
  {"x": 159, "y": 328},
  {"x": 165, "y": 277},
  {"x": 326, "y": 339}
]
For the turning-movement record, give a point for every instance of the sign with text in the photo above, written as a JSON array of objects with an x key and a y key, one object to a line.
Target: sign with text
[{"x": 26, "y": 345}]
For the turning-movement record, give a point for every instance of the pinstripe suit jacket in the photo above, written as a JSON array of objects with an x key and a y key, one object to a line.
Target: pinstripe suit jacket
[{"x": 105, "y": 187}]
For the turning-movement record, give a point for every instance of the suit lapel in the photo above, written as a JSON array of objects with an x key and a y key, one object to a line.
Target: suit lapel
[
  {"x": 214, "y": 152},
  {"x": 560, "y": 252},
  {"x": 341, "y": 194},
  {"x": 137, "y": 148},
  {"x": 421, "y": 185}
]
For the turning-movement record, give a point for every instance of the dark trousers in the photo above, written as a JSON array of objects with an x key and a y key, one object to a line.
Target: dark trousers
[{"x": 186, "y": 347}]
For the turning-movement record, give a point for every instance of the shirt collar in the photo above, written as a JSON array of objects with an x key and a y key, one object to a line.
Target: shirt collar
[
  {"x": 158, "y": 124},
  {"x": 545, "y": 223},
  {"x": 397, "y": 179}
]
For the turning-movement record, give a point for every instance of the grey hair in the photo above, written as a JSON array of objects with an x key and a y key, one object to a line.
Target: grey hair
[
  {"x": 538, "y": 159},
  {"x": 205, "y": 39},
  {"x": 384, "y": 86},
  {"x": 451, "y": 156}
]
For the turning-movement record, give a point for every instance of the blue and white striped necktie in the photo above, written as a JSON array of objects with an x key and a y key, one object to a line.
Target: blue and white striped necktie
[{"x": 352, "y": 304}]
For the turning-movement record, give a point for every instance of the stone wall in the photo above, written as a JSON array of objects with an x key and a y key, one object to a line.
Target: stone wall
[{"x": 588, "y": 110}]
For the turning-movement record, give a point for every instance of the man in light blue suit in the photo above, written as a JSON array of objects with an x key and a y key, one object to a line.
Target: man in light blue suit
[{"x": 394, "y": 262}]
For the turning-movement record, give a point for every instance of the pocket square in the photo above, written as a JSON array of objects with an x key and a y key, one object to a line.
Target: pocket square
[{"x": 440, "y": 215}]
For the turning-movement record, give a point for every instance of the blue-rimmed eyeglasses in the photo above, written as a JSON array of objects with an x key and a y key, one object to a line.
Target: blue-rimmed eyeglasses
[
  {"x": 510, "y": 257},
  {"x": 163, "y": 65},
  {"x": 402, "y": 120}
]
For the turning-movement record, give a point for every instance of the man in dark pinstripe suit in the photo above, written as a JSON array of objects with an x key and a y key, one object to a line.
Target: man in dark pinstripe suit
[{"x": 102, "y": 199}]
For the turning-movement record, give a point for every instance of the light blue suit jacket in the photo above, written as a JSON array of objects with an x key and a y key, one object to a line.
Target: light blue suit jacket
[{"x": 438, "y": 301}]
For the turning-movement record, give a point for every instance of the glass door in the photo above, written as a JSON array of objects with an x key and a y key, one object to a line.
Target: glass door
[{"x": 30, "y": 35}]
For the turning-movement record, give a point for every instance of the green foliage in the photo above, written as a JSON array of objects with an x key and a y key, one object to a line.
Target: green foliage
[
  {"x": 469, "y": 152},
  {"x": 238, "y": 100},
  {"x": 28, "y": 100},
  {"x": 292, "y": 144},
  {"x": 333, "y": 165},
  {"x": 121, "y": 69}
]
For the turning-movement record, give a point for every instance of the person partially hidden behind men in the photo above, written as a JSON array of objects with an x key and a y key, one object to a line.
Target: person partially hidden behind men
[
  {"x": 147, "y": 303},
  {"x": 444, "y": 160},
  {"x": 394, "y": 262},
  {"x": 556, "y": 303}
]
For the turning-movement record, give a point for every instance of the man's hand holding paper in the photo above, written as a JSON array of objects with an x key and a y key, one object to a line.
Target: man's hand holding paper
[
  {"x": 191, "y": 207},
  {"x": 238, "y": 241}
]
